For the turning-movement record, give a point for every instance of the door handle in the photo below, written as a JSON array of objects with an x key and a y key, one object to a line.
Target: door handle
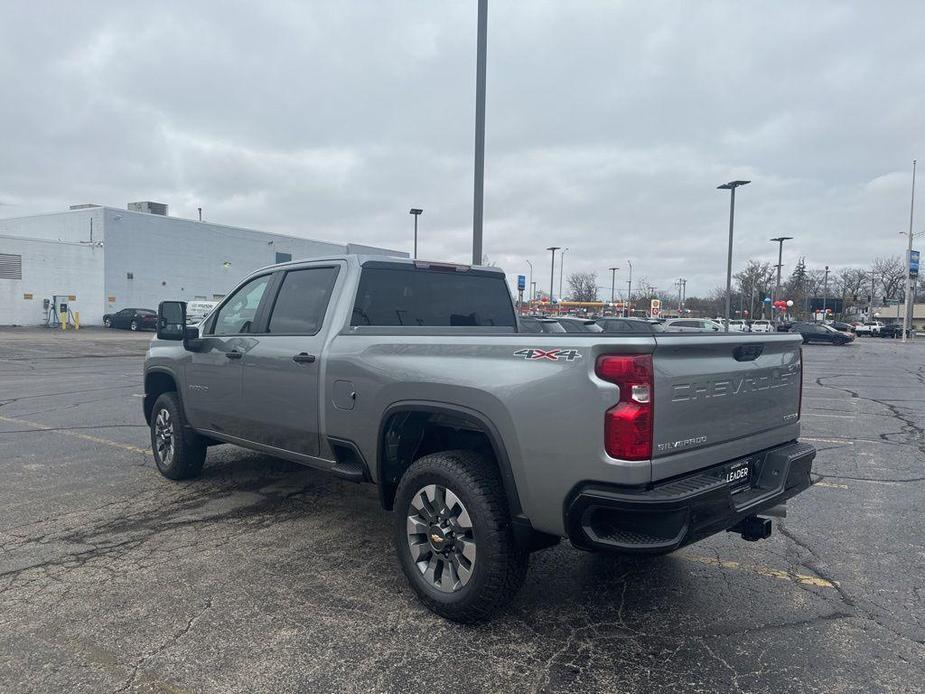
[
  {"x": 304, "y": 358},
  {"x": 234, "y": 354}
]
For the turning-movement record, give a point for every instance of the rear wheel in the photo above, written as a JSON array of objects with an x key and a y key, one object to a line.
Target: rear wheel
[
  {"x": 107, "y": 322},
  {"x": 453, "y": 536},
  {"x": 178, "y": 452}
]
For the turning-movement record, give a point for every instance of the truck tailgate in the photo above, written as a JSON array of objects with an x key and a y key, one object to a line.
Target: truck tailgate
[{"x": 722, "y": 396}]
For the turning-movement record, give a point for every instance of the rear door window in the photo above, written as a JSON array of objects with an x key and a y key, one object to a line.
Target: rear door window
[
  {"x": 302, "y": 301},
  {"x": 422, "y": 298}
]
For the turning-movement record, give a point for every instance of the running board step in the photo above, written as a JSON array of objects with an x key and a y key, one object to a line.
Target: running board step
[{"x": 349, "y": 470}]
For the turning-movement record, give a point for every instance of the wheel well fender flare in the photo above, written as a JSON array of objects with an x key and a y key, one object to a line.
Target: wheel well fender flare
[{"x": 481, "y": 421}]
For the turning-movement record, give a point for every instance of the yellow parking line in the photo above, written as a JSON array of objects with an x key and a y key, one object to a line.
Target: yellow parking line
[
  {"x": 761, "y": 571},
  {"x": 831, "y": 485},
  {"x": 76, "y": 435}
]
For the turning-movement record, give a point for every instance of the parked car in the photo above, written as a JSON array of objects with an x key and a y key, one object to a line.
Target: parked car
[
  {"x": 687, "y": 325},
  {"x": 761, "y": 326},
  {"x": 415, "y": 377},
  {"x": 131, "y": 319},
  {"x": 579, "y": 325},
  {"x": 196, "y": 311},
  {"x": 842, "y": 327},
  {"x": 870, "y": 329},
  {"x": 646, "y": 326},
  {"x": 740, "y": 326},
  {"x": 818, "y": 332},
  {"x": 536, "y": 324},
  {"x": 895, "y": 330}
]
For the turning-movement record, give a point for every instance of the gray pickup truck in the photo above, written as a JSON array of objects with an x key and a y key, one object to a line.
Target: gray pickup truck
[{"x": 488, "y": 442}]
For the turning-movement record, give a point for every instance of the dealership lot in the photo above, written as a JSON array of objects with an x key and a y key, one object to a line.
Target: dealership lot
[{"x": 265, "y": 576}]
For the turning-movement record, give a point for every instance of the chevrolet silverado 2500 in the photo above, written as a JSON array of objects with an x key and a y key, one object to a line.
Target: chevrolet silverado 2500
[{"x": 486, "y": 442}]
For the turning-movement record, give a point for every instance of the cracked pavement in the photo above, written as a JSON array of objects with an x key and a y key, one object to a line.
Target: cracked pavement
[{"x": 266, "y": 576}]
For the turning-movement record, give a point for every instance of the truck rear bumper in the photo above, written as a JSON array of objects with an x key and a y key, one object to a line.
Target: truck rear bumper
[{"x": 685, "y": 509}]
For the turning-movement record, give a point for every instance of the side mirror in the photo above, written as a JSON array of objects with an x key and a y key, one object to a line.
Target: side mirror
[{"x": 171, "y": 320}]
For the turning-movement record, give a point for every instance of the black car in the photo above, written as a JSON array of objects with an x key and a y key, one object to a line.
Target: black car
[
  {"x": 643, "y": 326},
  {"x": 894, "y": 330},
  {"x": 131, "y": 319},
  {"x": 815, "y": 332},
  {"x": 539, "y": 324},
  {"x": 579, "y": 325}
]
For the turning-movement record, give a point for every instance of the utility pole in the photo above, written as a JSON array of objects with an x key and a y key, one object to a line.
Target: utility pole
[
  {"x": 780, "y": 254},
  {"x": 678, "y": 284},
  {"x": 629, "y": 290},
  {"x": 910, "y": 306},
  {"x": 561, "y": 270},
  {"x": 532, "y": 291},
  {"x": 416, "y": 211},
  {"x": 479, "y": 193},
  {"x": 825, "y": 292},
  {"x": 613, "y": 284},
  {"x": 531, "y": 279},
  {"x": 552, "y": 272}
]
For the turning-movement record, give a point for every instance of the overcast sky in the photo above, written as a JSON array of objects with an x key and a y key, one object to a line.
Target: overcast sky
[{"x": 609, "y": 124}]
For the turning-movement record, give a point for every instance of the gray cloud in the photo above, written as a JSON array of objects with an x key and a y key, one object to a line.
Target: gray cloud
[{"x": 609, "y": 124}]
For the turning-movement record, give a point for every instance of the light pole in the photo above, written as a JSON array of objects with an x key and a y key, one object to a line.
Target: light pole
[
  {"x": 478, "y": 195},
  {"x": 561, "y": 270},
  {"x": 910, "y": 306},
  {"x": 552, "y": 272},
  {"x": 531, "y": 279},
  {"x": 613, "y": 284},
  {"x": 683, "y": 292},
  {"x": 629, "y": 289},
  {"x": 780, "y": 254},
  {"x": 825, "y": 292},
  {"x": 731, "y": 187},
  {"x": 532, "y": 291},
  {"x": 909, "y": 301},
  {"x": 416, "y": 211}
]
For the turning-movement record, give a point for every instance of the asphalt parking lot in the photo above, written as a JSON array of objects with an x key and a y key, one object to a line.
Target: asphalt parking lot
[{"x": 265, "y": 576}]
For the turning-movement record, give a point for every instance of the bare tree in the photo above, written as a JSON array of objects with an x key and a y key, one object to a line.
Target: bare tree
[
  {"x": 889, "y": 277},
  {"x": 583, "y": 286}
]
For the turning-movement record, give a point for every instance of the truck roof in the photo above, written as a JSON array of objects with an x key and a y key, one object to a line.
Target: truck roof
[{"x": 364, "y": 260}]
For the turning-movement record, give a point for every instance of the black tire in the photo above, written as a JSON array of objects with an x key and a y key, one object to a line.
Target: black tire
[
  {"x": 500, "y": 565},
  {"x": 187, "y": 451},
  {"x": 133, "y": 326},
  {"x": 107, "y": 322}
]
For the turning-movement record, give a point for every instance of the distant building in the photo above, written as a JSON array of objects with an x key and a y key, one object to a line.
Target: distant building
[
  {"x": 896, "y": 314},
  {"x": 101, "y": 259}
]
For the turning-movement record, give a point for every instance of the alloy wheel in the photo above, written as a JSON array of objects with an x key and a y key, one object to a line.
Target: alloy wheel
[
  {"x": 163, "y": 437},
  {"x": 441, "y": 538}
]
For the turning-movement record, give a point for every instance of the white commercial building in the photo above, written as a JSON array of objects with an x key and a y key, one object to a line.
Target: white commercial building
[{"x": 101, "y": 259}]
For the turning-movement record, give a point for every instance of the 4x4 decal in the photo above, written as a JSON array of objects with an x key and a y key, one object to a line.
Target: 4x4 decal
[{"x": 534, "y": 353}]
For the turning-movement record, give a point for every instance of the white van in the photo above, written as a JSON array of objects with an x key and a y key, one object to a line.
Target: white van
[{"x": 196, "y": 311}]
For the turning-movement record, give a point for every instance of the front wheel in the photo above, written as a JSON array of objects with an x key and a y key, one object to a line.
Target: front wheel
[
  {"x": 133, "y": 326},
  {"x": 453, "y": 536},
  {"x": 178, "y": 453}
]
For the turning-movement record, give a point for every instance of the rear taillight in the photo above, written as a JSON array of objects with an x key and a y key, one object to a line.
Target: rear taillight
[{"x": 628, "y": 424}]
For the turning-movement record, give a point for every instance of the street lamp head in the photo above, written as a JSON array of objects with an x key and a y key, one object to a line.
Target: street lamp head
[
  {"x": 781, "y": 239},
  {"x": 416, "y": 211},
  {"x": 554, "y": 248},
  {"x": 613, "y": 268},
  {"x": 732, "y": 184}
]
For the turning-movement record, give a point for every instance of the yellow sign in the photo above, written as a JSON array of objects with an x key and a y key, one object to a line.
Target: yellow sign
[
  {"x": 72, "y": 297},
  {"x": 112, "y": 299},
  {"x": 27, "y": 297}
]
